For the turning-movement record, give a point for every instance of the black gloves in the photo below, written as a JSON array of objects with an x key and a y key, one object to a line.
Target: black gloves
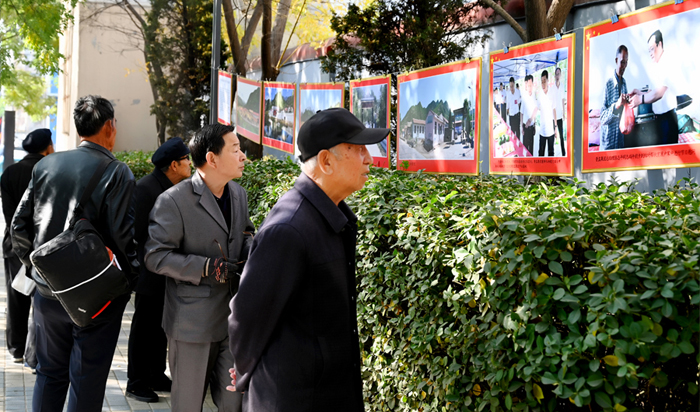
[{"x": 221, "y": 270}]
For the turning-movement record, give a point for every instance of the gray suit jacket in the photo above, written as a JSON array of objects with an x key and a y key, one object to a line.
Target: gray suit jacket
[{"x": 184, "y": 227}]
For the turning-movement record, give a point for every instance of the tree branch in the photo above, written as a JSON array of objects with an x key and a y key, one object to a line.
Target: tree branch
[
  {"x": 556, "y": 16},
  {"x": 507, "y": 17}
]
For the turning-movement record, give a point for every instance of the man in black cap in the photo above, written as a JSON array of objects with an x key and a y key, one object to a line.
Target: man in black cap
[
  {"x": 293, "y": 322},
  {"x": 147, "y": 340},
  {"x": 15, "y": 179}
]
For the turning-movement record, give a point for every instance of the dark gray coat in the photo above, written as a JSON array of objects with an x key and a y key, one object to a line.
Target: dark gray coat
[
  {"x": 185, "y": 225},
  {"x": 293, "y": 323}
]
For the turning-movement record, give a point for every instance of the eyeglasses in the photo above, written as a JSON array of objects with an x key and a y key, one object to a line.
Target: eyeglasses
[{"x": 186, "y": 157}]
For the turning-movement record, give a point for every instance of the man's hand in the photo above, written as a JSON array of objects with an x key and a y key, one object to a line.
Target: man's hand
[
  {"x": 232, "y": 388},
  {"x": 635, "y": 100},
  {"x": 620, "y": 101},
  {"x": 222, "y": 270}
]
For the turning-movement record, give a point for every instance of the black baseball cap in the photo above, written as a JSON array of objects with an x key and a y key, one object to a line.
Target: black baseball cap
[
  {"x": 331, "y": 127},
  {"x": 173, "y": 149}
]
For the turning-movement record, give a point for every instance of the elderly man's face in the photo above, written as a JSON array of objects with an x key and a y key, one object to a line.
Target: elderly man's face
[{"x": 351, "y": 169}]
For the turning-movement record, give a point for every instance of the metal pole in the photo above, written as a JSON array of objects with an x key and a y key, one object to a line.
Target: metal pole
[
  {"x": 8, "y": 136},
  {"x": 215, "y": 52}
]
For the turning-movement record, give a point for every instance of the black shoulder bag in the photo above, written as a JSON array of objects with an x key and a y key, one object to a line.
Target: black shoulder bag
[{"x": 77, "y": 266}]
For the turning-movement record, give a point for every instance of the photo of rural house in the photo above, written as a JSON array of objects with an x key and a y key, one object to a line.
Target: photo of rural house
[
  {"x": 437, "y": 117},
  {"x": 369, "y": 104},
  {"x": 279, "y": 114}
]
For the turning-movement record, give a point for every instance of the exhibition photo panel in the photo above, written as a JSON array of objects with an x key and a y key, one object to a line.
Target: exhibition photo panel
[
  {"x": 370, "y": 101},
  {"x": 279, "y": 123},
  {"x": 314, "y": 97},
  {"x": 224, "y": 101},
  {"x": 437, "y": 119},
  {"x": 248, "y": 108},
  {"x": 641, "y": 90},
  {"x": 530, "y": 110}
]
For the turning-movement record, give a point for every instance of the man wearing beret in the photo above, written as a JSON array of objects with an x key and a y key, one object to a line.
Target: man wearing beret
[
  {"x": 147, "y": 341},
  {"x": 15, "y": 179},
  {"x": 293, "y": 322},
  {"x": 199, "y": 235}
]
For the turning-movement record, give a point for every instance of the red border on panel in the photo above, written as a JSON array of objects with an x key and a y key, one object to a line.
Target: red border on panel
[
  {"x": 547, "y": 166},
  {"x": 274, "y": 143},
  {"x": 652, "y": 157},
  {"x": 466, "y": 167},
  {"x": 378, "y": 161}
]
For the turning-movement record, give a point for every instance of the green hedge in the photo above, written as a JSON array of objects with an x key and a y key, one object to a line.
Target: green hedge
[
  {"x": 139, "y": 162},
  {"x": 483, "y": 294}
]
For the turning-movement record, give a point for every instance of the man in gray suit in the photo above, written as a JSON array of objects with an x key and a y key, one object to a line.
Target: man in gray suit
[{"x": 199, "y": 237}]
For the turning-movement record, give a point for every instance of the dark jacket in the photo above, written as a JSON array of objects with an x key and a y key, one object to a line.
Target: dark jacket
[
  {"x": 148, "y": 188},
  {"x": 293, "y": 323},
  {"x": 57, "y": 184},
  {"x": 13, "y": 183}
]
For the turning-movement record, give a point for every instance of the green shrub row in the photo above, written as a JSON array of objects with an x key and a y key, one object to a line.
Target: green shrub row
[
  {"x": 139, "y": 162},
  {"x": 483, "y": 294}
]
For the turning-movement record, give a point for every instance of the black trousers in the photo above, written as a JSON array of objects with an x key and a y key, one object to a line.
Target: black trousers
[
  {"x": 73, "y": 360},
  {"x": 546, "y": 141},
  {"x": 529, "y": 138},
  {"x": 667, "y": 127},
  {"x": 147, "y": 342},
  {"x": 560, "y": 126},
  {"x": 515, "y": 124},
  {"x": 19, "y": 337}
]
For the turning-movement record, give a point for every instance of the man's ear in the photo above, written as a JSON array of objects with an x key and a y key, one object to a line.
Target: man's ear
[
  {"x": 173, "y": 165},
  {"x": 211, "y": 159},
  {"x": 325, "y": 162}
]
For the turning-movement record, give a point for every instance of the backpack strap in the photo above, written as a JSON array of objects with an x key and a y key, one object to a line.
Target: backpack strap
[{"x": 78, "y": 211}]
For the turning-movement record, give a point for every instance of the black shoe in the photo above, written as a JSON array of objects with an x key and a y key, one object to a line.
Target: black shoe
[
  {"x": 163, "y": 384},
  {"x": 141, "y": 394}
]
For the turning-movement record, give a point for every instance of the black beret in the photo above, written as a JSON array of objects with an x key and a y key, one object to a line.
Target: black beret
[
  {"x": 331, "y": 127},
  {"x": 172, "y": 149},
  {"x": 37, "y": 141}
]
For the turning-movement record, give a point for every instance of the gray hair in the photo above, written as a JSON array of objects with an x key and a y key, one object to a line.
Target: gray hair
[{"x": 310, "y": 164}]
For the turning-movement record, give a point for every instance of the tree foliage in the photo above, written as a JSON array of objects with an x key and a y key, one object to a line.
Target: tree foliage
[
  {"x": 29, "y": 33},
  {"x": 178, "y": 34},
  {"x": 392, "y": 36}
]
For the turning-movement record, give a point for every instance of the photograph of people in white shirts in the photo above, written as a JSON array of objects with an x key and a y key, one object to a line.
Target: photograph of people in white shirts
[
  {"x": 513, "y": 107},
  {"x": 559, "y": 96},
  {"x": 548, "y": 116}
]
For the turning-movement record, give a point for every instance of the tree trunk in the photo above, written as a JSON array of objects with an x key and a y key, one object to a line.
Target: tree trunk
[
  {"x": 155, "y": 71},
  {"x": 283, "y": 8},
  {"x": 252, "y": 26},
  {"x": 239, "y": 59},
  {"x": 536, "y": 17},
  {"x": 266, "y": 46}
]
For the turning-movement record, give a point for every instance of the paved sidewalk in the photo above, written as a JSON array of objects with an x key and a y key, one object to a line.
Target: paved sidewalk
[{"x": 17, "y": 382}]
